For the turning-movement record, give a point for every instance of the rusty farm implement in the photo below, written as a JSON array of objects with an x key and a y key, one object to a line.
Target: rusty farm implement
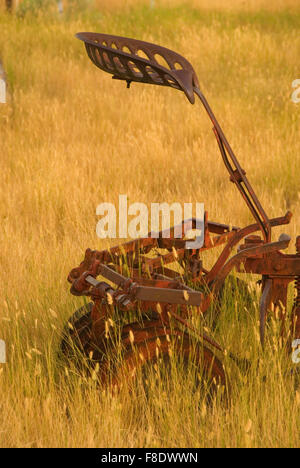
[{"x": 138, "y": 275}]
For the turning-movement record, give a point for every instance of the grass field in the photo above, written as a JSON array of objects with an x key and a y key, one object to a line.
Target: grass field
[{"x": 70, "y": 138}]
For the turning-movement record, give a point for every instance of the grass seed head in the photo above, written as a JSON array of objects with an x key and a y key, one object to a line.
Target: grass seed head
[
  {"x": 109, "y": 299},
  {"x": 53, "y": 313},
  {"x": 175, "y": 254},
  {"x": 131, "y": 337},
  {"x": 186, "y": 295}
]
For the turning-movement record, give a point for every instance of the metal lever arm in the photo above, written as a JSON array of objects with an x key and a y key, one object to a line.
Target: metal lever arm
[{"x": 237, "y": 174}]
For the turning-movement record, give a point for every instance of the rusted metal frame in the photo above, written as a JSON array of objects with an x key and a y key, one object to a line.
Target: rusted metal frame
[
  {"x": 239, "y": 235},
  {"x": 212, "y": 226},
  {"x": 173, "y": 273},
  {"x": 99, "y": 311},
  {"x": 279, "y": 265},
  {"x": 279, "y": 298},
  {"x": 234, "y": 236},
  {"x": 242, "y": 256},
  {"x": 235, "y": 178},
  {"x": 278, "y": 285},
  {"x": 156, "y": 262},
  {"x": 92, "y": 256},
  {"x": 159, "y": 262},
  {"x": 203, "y": 336},
  {"x": 237, "y": 260},
  {"x": 150, "y": 295},
  {"x": 296, "y": 306},
  {"x": 191, "y": 223},
  {"x": 280, "y": 289},
  {"x": 170, "y": 296},
  {"x": 180, "y": 243},
  {"x": 177, "y": 279},
  {"x": 156, "y": 271},
  {"x": 164, "y": 259},
  {"x": 281, "y": 269},
  {"x": 238, "y": 174},
  {"x": 121, "y": 281},
  {"x": 168, "y": 272},
  {"x": 134, "y": 290},
  {"x": 147, "y": 244},
  {"x": 159, "y": 288},
  {"x": 218, "y": 228},
  {"x": 111, "y": 255},
  {"x": 175, "y": 296},
  {"x": 159, "y": 272},
  {"x": 274, "y": 291},
  {"x": 99, "y": 315},
  {"x": 163, "y": 282},
  {"x": 153, "y": 294},
  {"x": 263, "y": 306}
]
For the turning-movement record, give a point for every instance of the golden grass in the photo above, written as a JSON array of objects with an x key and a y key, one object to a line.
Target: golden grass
[
  {"x": 222, "y": 5},
  {"x": 241, "y": 5},
  {"x": 71, "y": 139}
]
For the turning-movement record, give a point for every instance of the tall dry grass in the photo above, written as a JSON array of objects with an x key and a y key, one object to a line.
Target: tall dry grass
[{"x": 71, "y": 139}]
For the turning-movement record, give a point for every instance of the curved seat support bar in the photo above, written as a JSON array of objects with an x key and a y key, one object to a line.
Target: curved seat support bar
[{"x": 237, "y": 174}]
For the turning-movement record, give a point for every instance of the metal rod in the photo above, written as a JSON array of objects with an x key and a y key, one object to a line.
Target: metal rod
[{"x": 250, "y": 198}]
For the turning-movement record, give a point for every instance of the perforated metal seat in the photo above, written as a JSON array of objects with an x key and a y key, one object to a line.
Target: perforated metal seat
[{"x": 134, "y": 60}]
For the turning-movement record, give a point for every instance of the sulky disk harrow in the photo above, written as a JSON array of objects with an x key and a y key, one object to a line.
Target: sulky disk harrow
[{"x": 139, "y": 274}]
